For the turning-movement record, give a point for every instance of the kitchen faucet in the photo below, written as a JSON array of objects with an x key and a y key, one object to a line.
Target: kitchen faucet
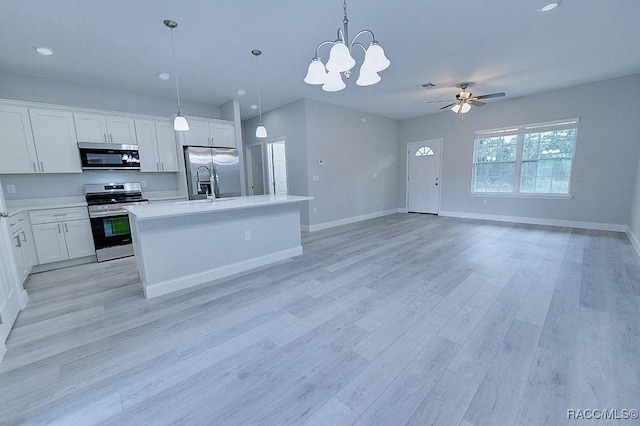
[{"x": 212, "y": 186}]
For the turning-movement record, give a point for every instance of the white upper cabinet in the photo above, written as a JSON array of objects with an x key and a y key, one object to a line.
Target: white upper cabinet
[
  {"x": 210, "y": 133},
  {"x": 157, "y": 146},
  {"x": 105, "y": 128},
  {"x": 55, "y": 140},
  {"x": 34, "y": 140},
  {"x": 16, "y": 141}
]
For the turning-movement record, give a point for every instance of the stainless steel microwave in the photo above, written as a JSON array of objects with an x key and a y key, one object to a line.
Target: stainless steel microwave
[{"x": 109, "y": 156}]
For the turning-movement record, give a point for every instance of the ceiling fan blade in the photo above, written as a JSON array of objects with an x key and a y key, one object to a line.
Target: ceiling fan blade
[
  {"x": 449, "y": 106},
  {"x": 433, "y": 102},
  {"x": 477, "y": 103},
  {"x": 491, "y": 95}
]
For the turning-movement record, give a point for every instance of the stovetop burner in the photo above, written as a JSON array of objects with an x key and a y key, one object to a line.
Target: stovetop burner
[{"x": 113, "y": 193}]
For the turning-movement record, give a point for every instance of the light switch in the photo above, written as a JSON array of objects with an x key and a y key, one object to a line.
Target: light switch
[{"x": 11, "y": 189}]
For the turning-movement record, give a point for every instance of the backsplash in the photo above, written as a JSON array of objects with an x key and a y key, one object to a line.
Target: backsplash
[{"x": 66, "y": 185}]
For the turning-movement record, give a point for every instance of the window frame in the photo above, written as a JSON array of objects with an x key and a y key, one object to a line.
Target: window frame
[{"x": 520, "y": 131}]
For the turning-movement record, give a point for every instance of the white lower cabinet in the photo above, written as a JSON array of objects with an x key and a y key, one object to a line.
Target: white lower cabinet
[
  {"x": 58, "y": 239},
  {"x": 22, "y": 242}
]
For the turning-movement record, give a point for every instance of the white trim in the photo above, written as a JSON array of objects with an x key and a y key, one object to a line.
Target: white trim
[
  {"x": 348, "y": 220},
  {"x": 634, "y": 240},
  {"x": 569, "y": 122},
  {"x": 181, "y": 283},
  {"x": 598, "y": 226},
  {"x": 522, "y": 195}
]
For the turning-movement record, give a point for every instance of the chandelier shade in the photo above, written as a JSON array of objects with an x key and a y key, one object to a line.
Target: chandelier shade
[
  {"x": 462, "y": 108},
  {"x": 180, "y": 123},
  {"x": 317, "y": 73},
  {"x": 341, "y": 60},
  {"x": 333, "y": 82}
]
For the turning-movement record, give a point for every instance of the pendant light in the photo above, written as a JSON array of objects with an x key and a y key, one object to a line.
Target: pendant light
[
  {"x": 180, "y": 123},
  {"x": 261, "y": 131}
]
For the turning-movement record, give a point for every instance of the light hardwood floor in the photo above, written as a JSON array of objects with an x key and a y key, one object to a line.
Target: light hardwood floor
[{"x": 405, "y": 319}]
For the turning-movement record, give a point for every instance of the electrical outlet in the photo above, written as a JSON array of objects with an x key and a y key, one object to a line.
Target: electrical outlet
[
  {"x": 11, "y": 189},
  {"x": 484, "y": 202},
  {"x": 143, "y": 183},
  {"x": 315, "y": 210},
  {"x": 247, "y": 235},
  {"x": 316, "y": 178}
]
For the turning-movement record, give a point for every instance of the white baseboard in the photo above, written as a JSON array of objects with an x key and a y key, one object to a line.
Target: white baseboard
[
  {"x": 634, "y": 240},
  {"x": 348, "y": 220},
  {"x": 3, "y": 350},
  {"x": 539, "y": 221},
  {"x": 210, "y": 275}
]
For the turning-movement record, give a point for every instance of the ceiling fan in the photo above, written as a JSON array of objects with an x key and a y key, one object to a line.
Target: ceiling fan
[{"x": 465, "y": 99}]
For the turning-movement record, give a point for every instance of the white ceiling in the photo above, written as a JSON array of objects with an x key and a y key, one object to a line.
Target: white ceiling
[{"x": 498, "y": 45}]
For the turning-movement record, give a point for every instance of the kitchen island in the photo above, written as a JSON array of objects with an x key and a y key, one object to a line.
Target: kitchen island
[{"x": 183, "y": 244}]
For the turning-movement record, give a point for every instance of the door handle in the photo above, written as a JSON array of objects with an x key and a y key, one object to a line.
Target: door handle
[
  {"x": 42, "y": 166},
  {"x": 66, "y": 228},
  {"x": 35, "y": 169},
  {"x": 59, "y": 231},
  {"x": 24, "y": 237},
  {"x": 104, "y": 135},
  {"x": 4, "y": 214},
  {"x": 158, "y": 166},
  {"x": 17, "y": 237},
  {"x": 111, "y": 137},
  {"x": 162, "y": 164}
]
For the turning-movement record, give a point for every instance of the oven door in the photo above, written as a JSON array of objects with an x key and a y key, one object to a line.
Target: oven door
[{"x": 111, "y": 231}]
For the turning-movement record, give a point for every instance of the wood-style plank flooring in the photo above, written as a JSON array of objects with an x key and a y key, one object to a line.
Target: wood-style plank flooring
[{"x": 405, "y": 319}]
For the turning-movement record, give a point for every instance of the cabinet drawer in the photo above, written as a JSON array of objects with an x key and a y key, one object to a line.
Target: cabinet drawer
[
  {"x": 16, "y": 222},
  {"x": 58, "y": 215}
]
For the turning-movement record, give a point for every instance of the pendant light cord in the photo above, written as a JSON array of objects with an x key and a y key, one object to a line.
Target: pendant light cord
[
  {"x": 175, "y": 70},
  {"x": 259, "y": 88}
]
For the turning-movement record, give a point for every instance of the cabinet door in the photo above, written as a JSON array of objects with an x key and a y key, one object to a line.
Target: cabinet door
[
  {"x": 16, "y": 141},
  {"x": 198, "y": 134},
  {"x": 90, "y": 127},
  {"x": 50, "y": 242},
  {"x": 147, "y": 146},
  {"x": 55, "y": 139},
  {"x": 223, "y": 135},
  {"x": 121, "y": 130},
  {"x": 19, "y": 255},
  {"x": 79, "y": 238},
  {"x": 167, "y": 147}
]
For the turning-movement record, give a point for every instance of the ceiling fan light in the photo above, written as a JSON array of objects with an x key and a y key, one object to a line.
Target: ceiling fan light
[
  {"x": 340, "y": 59},
  {"x": 261, "y": 131},
  {"x": 334, "y": 82},
  {"x": 465, "y": 108},
  {"x": 316, "y": 74},
  {"x": 455, "y": 108},
  {"x": 548, "y": 6},
  {"x": 180, "y": 123},
  {"x": 367, "y": 76},
  {"x": 376, "y": 58}
]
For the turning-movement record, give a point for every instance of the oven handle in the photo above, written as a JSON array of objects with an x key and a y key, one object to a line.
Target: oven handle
[{"x": 112, "y": 213}]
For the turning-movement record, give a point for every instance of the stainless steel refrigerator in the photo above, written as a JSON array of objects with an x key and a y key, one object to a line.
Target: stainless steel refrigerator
[{"x": 204, "y": 163}]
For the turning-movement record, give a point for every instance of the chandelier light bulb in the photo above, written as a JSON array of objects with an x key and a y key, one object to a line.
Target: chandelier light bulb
[{"x": 316, "y": 74}]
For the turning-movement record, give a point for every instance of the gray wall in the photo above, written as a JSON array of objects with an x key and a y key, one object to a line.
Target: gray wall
[
  {"x": 67, "y": 185},
  {"x": 286, "y": 123},
  {"x": 36, "y": 89},
  {"x": 360, "y": 156},
  {"x": 634, "y": 214},
  {"x": 605, "y": 161}
]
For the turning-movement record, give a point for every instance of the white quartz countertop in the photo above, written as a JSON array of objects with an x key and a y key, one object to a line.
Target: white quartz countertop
[{"x": 180, "y": 208}]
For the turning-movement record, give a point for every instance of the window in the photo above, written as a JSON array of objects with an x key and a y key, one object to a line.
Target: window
[
  {"x": 424, "y": 151},
  {"x": 531, "y": 159}
]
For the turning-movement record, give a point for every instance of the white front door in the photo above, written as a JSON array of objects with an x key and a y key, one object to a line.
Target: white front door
[
  {"x": 277, "y": 168},
  {"x": 423, "y": 176},
  {"x": 10, "y": 288}
]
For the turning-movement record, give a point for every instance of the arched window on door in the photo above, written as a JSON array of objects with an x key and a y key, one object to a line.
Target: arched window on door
[{"x": 423, "y": 151}]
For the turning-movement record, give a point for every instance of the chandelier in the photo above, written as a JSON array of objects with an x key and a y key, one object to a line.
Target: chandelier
[{"x": 341, "y": 61}]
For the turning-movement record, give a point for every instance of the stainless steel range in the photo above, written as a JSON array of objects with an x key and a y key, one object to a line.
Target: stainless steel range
[{"x": 109, "y": 219}]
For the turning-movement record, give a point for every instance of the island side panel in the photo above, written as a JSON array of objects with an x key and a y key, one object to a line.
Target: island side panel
[{"x": 183, "y": 251}]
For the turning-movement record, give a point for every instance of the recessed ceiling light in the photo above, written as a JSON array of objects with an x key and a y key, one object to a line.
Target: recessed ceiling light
[
  {"x": 44, "y": 51},
  {"x": 550, "y": 5},
  {"x": 241, "y": 92},
  {"x": 254, "y": 106},
  {"x": 164, "y": 76}
]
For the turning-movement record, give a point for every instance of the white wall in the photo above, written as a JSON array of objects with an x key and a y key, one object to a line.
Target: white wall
[{"x": 604, "y": 167}]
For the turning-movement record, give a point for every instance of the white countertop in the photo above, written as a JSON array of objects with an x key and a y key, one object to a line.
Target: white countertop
[
  {"x": 180, "y": 208},
  {"x": 19, "y": 206}
]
